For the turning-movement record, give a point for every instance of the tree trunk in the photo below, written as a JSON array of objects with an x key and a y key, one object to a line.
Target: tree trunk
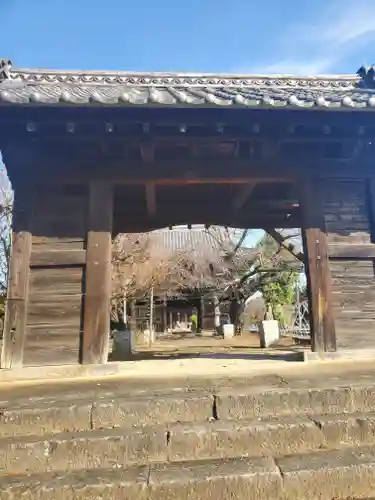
[
  {"x": 133, "y": 318},
  {"x": 234, "y": 313}
]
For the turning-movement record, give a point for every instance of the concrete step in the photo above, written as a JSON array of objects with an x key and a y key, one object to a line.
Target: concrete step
[
  {"x": 49, "y": 417},
  {"x": 325, "y": 475},
  {"x": 184, "y": 442}
]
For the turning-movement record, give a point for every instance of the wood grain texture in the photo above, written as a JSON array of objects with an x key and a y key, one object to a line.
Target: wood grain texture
[
  {"x": 349, "y": 222},
  {"x": 98, "y": 275},
  {"x": 60, "y": 217},
  {"x": 16, "y": 305},
  {"x": 40, "y": 258},
  {"x": 63, "y": 243},
  {"x": 351, "y": 251},
  {"x": 346, "y": 211},
  {"x": 46, "y": 281},
  {"x": 54, "y": 316},
  {"x": 317, "y": 268}
]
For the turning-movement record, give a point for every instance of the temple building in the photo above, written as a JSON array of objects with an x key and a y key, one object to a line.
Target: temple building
[
  {"x": 176, "y": 298},
  {"x": 94, "y": 154}
]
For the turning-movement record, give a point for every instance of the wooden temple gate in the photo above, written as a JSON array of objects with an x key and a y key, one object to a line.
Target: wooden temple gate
[{"x": 92, "y": 154}]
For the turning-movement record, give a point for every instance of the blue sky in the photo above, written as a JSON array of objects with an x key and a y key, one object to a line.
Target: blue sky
[
  {"x": 241, "y": 36},
  {"x": 196, "y": 35}
]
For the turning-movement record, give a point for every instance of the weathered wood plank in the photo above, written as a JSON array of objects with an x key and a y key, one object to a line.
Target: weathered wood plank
[
  {"x": 352, "y": 268},
  {"x": 16, "y": 306},
  {"x": 317, "y": 267},
  {"x": 49, "y": 282},
  {"x": 346, "y": 211},
  {"x": 60, "y": 216},
  {"x": 351, "y": 251},
  {"x": 50, "y": 243},
  {"x": 349, "y": 237},
  {"x": 62, "y": 309},
  {"x": 51, "y": 345},
  {"x": 54, "y": 319},
  {"x": 51, "y": 333},
  {"x": 98, "y": 274},
  {"x": 358, "y": 333},
  {"x": 349, "y": 225},
  {"x": 40, "y": 258}
]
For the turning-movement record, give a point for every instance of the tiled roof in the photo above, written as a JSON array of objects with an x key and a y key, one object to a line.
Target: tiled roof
[
  {"x": 167, "y": 89},
  {"x": 196, "y": 241},
  {"x": 184, "y": 239}
]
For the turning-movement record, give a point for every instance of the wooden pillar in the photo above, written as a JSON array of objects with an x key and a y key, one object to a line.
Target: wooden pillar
[
  {"x": 165, "y": 314},
  {"x": 18, "y": 281},
  {"x": 200, "y": 314},
  {"x": 96, "y": 323},
  {"x": 322, "y": 324}
]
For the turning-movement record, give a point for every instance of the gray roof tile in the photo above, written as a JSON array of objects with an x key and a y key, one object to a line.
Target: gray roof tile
[{"x": 167, "y": 89}]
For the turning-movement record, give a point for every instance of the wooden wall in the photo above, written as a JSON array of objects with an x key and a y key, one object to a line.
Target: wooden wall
[
  {"x": 54, "y": 312},
  {"x": 50, "y": 295},
  {"x": 349, "y": 222}
]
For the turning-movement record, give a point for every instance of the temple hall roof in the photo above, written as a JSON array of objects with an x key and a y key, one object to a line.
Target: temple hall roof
[{"x": 110, "y": 88}]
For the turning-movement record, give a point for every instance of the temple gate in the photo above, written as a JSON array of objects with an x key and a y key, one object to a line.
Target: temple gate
[{"x": 91, "y": 154}]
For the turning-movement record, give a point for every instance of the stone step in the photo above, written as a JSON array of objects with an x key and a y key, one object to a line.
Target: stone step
[
  {"x": 325, "y": 475},
  {"x": 48, "y": 417},
  {"x": 184, "y": 442}
]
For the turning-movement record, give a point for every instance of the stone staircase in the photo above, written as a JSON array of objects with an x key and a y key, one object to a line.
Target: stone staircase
[{"x": 238, "y": 439}]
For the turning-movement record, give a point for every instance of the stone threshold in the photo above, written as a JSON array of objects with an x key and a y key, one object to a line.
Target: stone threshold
[
  {"x": 176, "y": 368},
  {"x": 199, "y": 367},
  {"x": 340, "y": 355}
]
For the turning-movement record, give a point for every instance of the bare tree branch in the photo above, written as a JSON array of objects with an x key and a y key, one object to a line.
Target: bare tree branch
[{"x": 284, "y": 243}]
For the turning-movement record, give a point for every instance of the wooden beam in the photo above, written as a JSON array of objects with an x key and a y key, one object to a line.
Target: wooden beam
[
  {"x": 96, "y": 321},
  {"x": 351, "y": 251},
  {"x": 242, "y": 196},
  {"x": 17, "y": 300},
  {"x": 141, "y": 224},
  {"x": 151, "y": 199},
  {"x": 227, "y": 171},
  {"x": 168, "y": 181},
  {"x": 261, "y": 209},
  {"x": 85, "y": 160},
  {"x": 157, "y": 175},
  {"x": 318, "y": 272},
  {"x": 58, "y": 258}
]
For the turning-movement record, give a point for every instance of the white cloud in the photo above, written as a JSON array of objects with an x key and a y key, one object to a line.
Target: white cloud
[
  {"x": 293, "y": 67},
  {"x": 342, "y": 23},
  {"x": 339, "y": 30}
]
